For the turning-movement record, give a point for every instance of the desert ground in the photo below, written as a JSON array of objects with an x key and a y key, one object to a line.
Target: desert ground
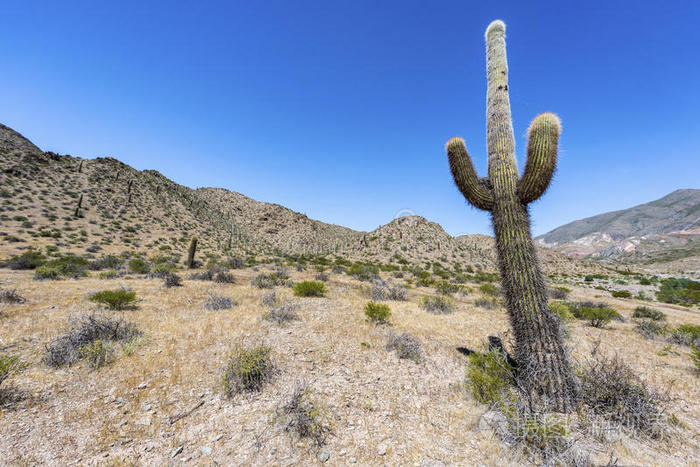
[{"x": 160, "y": 401}]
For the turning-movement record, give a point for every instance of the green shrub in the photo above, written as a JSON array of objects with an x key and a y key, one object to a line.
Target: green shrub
[
  {"x": 163, "y": 269},
  {"x": 8, "y": 363},
  {"x": 248, "y": 370},
  {"x": 71, "y": 267},
  {"x": 695, "y": 358},
  {"x": 437, "y": 305},
  {"x": 447, "y": 288},
  {"x": 310, "y": 289},
  {"x": 561, "y": 310},
  {"x": 108, "y": 274},
  {"x": 599, "y": 317},
  {"x": 47, "y": 273},
  {"x": 489, "y": 376},
  {"x": 621, "y": 293},
  {"x": 377, "y": 313},
  {"x": 686, "y": 334},
  {"x": 650, "y": 313},
  {"x": 681, "y": 291},
  {"x": 119, "y": 299},
  {"x": 28, "y": 260},
  {"x": 139, "y": 266}
]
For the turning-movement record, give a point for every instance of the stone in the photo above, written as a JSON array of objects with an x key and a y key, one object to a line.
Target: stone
[
  {"x": 381, "y": 449},
  {"x": 176, "y": 452},
  {"x": 324, "y": 455},
  {"x": 492, "y": 420},
  {"x": 145, "y": 421},
  {"x": 205, "y": 450}
]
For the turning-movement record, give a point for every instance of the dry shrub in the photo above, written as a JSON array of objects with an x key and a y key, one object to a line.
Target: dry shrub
[
  {"x": 611, "y": 389},
  {"x": 282, "y": 314},
  {"x": 85, "y": 331},
  {"x": 437, "y": 305},
  {"x": 11, "y": 297},
  {"x": 269, "y": 299},
  {"x": 217, "y": 302},
  {"x": 406, "y": 346},
  {"x": 382, "y": 291},
  {"x": 172, "y": 280},
  {"x": 304, "y": 417}
]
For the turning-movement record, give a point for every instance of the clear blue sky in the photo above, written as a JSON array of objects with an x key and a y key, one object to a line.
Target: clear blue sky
[{"x": 340, "y": 109}]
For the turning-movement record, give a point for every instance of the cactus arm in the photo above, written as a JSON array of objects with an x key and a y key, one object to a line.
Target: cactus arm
[
  {"x": 475, "y": 190},
  {"x": 543, "y": 138}
]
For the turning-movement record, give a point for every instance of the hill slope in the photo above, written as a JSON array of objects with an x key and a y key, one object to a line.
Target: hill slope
[
  {"x": 668, "y": 228},
  {"x": 103, "y": 205}
]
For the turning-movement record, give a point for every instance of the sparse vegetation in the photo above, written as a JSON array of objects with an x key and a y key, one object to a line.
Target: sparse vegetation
[{"x": 248, "y": 369}]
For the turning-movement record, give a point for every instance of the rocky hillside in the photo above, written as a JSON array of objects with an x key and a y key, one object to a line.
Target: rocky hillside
[
  {"x": 665, "y": 229},
  {"x": 97, "y": 206}
]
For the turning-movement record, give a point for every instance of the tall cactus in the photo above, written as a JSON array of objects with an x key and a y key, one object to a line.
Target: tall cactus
[
  {"x": 191, "y": 252},
  {"x": 544, "y": 374}
]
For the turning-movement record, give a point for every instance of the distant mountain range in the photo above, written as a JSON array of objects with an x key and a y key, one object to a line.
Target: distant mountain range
[
  {"x": 103, "y": 205},
  {"x": 667, "y": 229}
]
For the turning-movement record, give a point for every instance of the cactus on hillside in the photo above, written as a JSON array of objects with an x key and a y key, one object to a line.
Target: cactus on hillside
[
  {"x": 80, "y": 205},
  {"x": 545, "y": 374},
  {"x": 191, "y": 252}
]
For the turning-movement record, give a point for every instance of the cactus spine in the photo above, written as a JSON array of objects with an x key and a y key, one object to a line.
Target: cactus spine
[
  {"x": 545, "y": 373},
  {"x": 191, "y": 252},
  {"x": 80, "y": 204}
]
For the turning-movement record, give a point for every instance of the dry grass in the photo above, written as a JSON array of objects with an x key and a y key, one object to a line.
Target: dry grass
[{"x": 420, "y": 413}]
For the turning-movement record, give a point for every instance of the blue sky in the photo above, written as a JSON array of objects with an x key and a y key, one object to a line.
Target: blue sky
[{"x": 341, "y": 109}]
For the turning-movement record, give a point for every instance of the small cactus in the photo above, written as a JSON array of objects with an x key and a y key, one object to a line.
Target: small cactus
[
  {"x": 80, "y": 167},
  {"x": 131, "y": 182},
  {"x": 545, "y": 373},
  {"x": 191, "y": 252}
]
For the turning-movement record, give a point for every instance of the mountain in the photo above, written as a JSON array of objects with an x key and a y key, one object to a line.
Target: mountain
[
  {"x": 664, "y": 230},
  {"x": 89, "y": 206}
]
